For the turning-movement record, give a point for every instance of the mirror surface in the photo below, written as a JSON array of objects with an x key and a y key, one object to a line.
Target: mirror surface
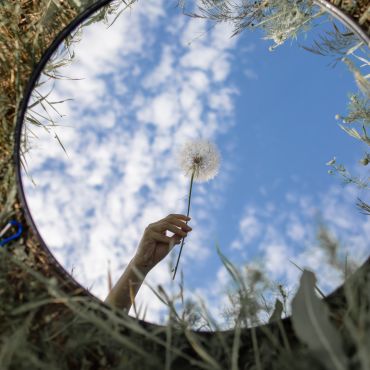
[{"x": 139, "y": 90}]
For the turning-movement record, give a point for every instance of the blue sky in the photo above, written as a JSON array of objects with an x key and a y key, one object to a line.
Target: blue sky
[{"x": 156, "y": 79}]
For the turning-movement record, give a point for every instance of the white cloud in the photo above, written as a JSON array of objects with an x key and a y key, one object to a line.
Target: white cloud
[
  {"x": 191, "y": 33},
  {"x": 276, "y": 257},
  {"x": 163, "y": 111},
  {"x": 221, "y": 37},
  {"x": 249, "y": 228},
  {"x": 221, "y": 68},
  {"x": 163, "y": 72},
  {"x": 199, "y": 81},
  {"x": 292, "y": 235},
  {"x": 250, "y": 74},
  {"x": 202, "y": 58},
  {"x": 188, "y": 98},
  {"x": 295, "y": 230},
  {"x": 222, "y": 100},
  {"x": 127, "y": 120}
]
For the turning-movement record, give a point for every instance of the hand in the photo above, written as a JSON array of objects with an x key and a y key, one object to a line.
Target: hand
[{"x": 155, "y": 244}]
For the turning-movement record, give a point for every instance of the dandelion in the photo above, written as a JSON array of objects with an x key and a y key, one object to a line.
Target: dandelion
[
  {"x": 200, "y": 160},
  {"x": 200, "y": 157}
]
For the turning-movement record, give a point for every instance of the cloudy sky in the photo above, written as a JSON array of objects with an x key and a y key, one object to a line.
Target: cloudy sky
[{"x": 144, "y": 87}]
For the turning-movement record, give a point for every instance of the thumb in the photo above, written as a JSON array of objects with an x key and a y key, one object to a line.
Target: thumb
[{"x": 174, "y": 241}]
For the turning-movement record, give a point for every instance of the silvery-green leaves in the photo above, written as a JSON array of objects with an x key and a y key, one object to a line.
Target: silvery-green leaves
[{"x": 310, "y": 318}]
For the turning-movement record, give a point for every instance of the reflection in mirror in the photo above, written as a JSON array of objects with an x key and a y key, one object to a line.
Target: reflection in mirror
[{"x": 104, "y": 163}]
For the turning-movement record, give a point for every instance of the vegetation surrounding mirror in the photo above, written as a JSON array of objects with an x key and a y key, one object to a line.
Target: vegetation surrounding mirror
[{"x": 47, "y": 322}]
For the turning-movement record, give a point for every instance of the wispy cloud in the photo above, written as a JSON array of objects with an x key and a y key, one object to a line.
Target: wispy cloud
[
  {"x": 250, "y": 74},
  {"x": 148, "y": 85},
  {"x": 290, "y": 234}
]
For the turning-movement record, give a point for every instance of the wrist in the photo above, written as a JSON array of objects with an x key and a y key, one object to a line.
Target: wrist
[{"x": 142, "y": 267}]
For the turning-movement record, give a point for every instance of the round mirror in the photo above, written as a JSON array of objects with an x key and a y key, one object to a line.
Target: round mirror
[{"x": 102, "y": 142}]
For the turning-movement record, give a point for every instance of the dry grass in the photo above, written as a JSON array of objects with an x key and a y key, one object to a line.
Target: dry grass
[{"x": 26, "y": 29}]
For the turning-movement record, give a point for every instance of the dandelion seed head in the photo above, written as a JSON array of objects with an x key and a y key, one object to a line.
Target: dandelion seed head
[{"x": 202, "y": 157}]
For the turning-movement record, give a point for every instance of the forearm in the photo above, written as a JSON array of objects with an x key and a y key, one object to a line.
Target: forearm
[
  {"x": 153, "y": 247},
  {"x": 120, "y": 296}
]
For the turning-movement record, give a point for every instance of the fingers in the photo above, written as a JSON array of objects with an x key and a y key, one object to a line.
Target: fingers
[
  {"x": 162, "y": 238},
  {"x": 173, "y": 224},
  {"x": 179, "y": 223},
  {"x": 176, "y": 215},
  {"x": 177, "y": 231}
]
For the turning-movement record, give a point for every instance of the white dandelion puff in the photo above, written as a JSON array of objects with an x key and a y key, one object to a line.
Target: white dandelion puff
[
  {"x": 200, "y": 157},
  {"x": 200, "y": 160}
]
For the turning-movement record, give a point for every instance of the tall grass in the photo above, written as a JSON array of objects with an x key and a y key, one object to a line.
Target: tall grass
[{"x": 44, "y": 327}]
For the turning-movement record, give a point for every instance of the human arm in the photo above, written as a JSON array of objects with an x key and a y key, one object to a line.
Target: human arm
[{"x": 153, "y": 247}]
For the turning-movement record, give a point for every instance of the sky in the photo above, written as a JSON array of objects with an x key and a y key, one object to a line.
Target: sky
[{"x": 142, "y": 88}]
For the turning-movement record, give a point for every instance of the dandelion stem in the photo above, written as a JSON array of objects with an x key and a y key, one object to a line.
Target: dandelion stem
[{"x": 187, "y": 214}]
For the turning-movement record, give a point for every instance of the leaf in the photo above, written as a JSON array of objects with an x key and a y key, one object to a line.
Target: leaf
[
  {"x": 351, "y": 131},
  {"x": 199, "y": 349},
  {"x": 354, "y": 133},
  {"x": 316, "y": 287},
  {"x": 354, "y": 48},
  {"x": 360, "y": 80},
  {"x": 310, "y": 318},
  {"x": 236, "y": 347},
  {"x": 232, "y": 270},
  {"x": 278, "y": 310},
  {"x": 57, "y": 137}
]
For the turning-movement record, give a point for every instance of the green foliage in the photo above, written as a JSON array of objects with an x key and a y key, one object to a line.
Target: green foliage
[
  {"x": 253, "y": 298},
  {"x": 287, "y": 19},
  {"x": 41, "y": 320},
  {"x": 347, "y": 178},
  {"x": 358, "y": 115},
  {"x": 246, "y": 298},
  {"x": 363, "y": 207},
  {"x": 345, "y": 45},
  {"x": 335, "y": 43},
  {"x": 334, "y": 252},
  {"x": 278, "y": 19},
  {"x": 265, "y": 300}
]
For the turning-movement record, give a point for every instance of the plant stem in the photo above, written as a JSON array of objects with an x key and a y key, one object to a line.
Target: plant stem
[{"x": 187, "y": 214}]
